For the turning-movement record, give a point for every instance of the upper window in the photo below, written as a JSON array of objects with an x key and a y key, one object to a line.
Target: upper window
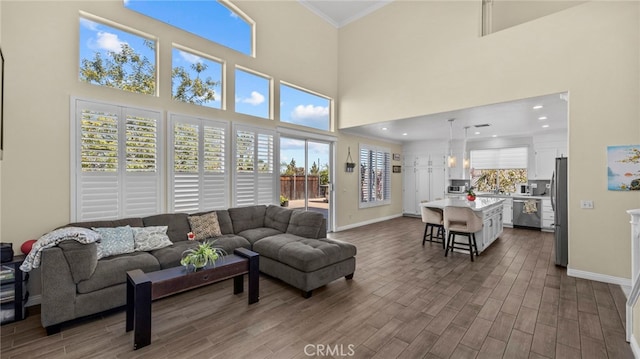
[
  {"x": 217, "y": 21},
  {"x": 304, "y": 108},
  {"x": 116, "y": 58},
  {"x": 196, "y": 79},
  {"x": 252, "y": 94}
]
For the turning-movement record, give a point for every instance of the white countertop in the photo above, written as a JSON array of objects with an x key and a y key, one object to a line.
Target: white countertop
[
  {"x": 502, "y": 195},
  {"x": 479, "y": 205}
]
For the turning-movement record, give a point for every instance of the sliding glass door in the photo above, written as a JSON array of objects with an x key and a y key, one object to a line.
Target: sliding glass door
[{"x": 304, "y": 175}]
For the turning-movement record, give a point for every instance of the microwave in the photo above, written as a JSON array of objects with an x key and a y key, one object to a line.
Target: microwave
[{"x": 456, "y": 189}]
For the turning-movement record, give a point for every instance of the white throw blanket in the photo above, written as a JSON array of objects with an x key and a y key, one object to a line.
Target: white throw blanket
[{"x": 82, "y": 235}]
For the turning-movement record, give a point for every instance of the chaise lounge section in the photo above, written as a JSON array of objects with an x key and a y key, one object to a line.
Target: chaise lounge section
[{"x": 291, "y": 244}]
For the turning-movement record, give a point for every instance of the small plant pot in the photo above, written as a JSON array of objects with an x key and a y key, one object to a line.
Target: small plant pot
[{"x": 284, "y": 203}]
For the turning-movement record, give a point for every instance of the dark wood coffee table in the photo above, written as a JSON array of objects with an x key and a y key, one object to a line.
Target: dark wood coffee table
[{"x": 142, "y": 288}]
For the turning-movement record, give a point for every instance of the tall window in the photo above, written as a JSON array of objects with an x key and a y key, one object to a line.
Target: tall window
[
  {"x": 198, "y": 175},
  {"x": 196, "y": 79},
  {"x": 375, "y": 176},
  {"x": 252, "y": 94},
  {"x": 499, "y": 169},
  {"x": 217, "y": 21},
  {"x": 117, "y": 161},
  {"x": 255, "y": 180},
  {"x": 304, "y": 108},
  {"x": 116, "y": 58}
]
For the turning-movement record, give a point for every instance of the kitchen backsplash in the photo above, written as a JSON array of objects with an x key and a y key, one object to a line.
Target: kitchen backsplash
[{"x": 540, "y": 190}]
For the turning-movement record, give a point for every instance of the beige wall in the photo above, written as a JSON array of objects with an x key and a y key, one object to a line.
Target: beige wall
[
  {"x": 293, "y": 45},
  {"x": 508, "y": 13},
  {"x": 434, "y": 61}
]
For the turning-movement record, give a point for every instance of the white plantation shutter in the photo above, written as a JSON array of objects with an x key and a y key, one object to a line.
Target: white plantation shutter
[
  {"x": 499, "y": 158},
  {"x": 375, "y": 176},
  {"x": 255, "y": 180},
  {"x": 116, "y": 162},
  {"x": 198, "y": 166}
]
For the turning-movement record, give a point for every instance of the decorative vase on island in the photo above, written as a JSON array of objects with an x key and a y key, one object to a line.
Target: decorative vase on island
[{"x": 471, "y": 197}]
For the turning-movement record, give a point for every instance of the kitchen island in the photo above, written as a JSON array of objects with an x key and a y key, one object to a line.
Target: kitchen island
[{"x": 489, "y": 209}]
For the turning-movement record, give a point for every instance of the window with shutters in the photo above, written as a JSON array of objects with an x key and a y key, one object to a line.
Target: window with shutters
[
  {"x": 375, "y": 176},
  {"x": 198, "y": 175},
  {"x": 500, "y": 169},
  {"x": 255, "y": 180},
  {"x": 117, "y": 162}
]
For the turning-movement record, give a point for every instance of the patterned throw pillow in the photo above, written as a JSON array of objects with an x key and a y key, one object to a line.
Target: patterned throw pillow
[
  {"x": 150, "y": 238},
  {"x": 114, "y": 241},
  {"x": 205, "y": 226}
]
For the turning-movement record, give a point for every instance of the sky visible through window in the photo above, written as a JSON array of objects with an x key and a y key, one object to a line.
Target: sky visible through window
[
  {"x": 252, "y": 94},
  {"x": 208, "y": 19},
  {"x": 186, "y": 60}
]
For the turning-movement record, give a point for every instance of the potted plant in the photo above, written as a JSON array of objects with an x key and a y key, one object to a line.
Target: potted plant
[
  {"x": 284, "y": 201},
  {"x": 202, "y": 255},
  {"x": 471, "y": 195}
]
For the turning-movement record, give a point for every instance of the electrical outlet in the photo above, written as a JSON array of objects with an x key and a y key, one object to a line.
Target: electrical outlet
[
  {"x": 586, "y": 204},
  {"x": 547, "y": 186}
]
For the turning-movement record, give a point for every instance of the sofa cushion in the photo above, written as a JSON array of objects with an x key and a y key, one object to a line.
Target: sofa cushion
[
  {"x": 117, "y": 240},
  {"x": 113, "y": 270},
  {"x": 133, "y": 222},
  {"x": 177, "y": 223},
  {"x": 170, "y": 256},
  {"x": 277, "y": 217},
  {"x": 82, "y": 259},
  {"x": 229, "y": 242},
  {"x": 205, "y": 225},
  {"x": 256, "y": 234},
  {"x": 305, "y": 223},
  {"x": 226, "y": 225},
  {"x": 304, "y": 254},
  {"x": 150, "y": 238},
  {"x": 247, "y": 217}
]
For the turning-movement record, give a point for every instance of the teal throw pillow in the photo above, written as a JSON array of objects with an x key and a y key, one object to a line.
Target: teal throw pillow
[{"x": 114, "y": 241}]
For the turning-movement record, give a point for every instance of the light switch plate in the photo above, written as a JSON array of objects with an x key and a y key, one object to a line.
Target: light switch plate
[{"x": 586, "y": 204}]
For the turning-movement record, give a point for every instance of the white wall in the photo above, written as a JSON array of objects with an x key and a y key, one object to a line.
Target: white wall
[{"x": 435, "y": 61}]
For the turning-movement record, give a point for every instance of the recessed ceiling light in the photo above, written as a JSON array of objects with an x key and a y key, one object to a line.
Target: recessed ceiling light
[
  {"x": 542, "y": 118},
  {"x": 404, "y": 134},
  {"x": 545, "y": 126},
  {"x": 384, "y": 129},
  {"x": 537, "y": 107},
  {"x": 494, "y": 135},
  {"x": 476, "y": 133}
]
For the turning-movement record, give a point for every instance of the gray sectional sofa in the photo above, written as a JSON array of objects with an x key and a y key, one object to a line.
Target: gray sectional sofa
[{"x": 291, "y": 244}]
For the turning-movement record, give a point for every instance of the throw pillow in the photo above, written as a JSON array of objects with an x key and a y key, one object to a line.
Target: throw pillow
[
  {"x": 205, "y": 226},
  {"x": 150, "y": 238},
  {"x": 114, "y": 241}
]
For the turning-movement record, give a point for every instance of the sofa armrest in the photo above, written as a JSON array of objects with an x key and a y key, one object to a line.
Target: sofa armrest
[{"x": 58, "y": 288}]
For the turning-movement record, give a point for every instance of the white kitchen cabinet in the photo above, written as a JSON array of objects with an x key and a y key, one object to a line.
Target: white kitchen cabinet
[
  {"x": 425, "y": 181},
  {"x": 507, "y": 212},
  {"x": 547, "y": 215},
  {"x": 545, "y": 163},
  {"x": 492, "y": 227}
]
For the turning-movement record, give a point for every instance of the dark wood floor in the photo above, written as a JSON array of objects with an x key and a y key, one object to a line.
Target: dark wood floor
[{"x": 405, "y": 301}]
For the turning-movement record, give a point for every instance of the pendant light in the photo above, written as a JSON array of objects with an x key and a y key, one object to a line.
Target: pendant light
[{"x": 451, "y": 160}]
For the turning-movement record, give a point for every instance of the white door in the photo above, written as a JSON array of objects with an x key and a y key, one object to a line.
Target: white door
[{"x": 409, "y": 191}]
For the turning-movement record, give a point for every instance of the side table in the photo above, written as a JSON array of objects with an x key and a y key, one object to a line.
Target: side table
[{"x": 13, "y": 293}]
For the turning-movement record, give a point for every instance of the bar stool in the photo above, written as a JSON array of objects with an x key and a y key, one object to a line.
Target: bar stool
[
  {"x": 432, "y": 218},
  {"x": 464, "y": 222}
]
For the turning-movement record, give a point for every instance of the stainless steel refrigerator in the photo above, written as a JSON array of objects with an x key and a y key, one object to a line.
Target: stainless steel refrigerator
[{"x": 559, "y": 203}]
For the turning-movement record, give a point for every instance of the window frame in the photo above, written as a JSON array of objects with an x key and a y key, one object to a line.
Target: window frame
[
  {"x": 124, "y": 179},
  {"x": 373, "y": 154},
  {"x": 330, "y": 119}
]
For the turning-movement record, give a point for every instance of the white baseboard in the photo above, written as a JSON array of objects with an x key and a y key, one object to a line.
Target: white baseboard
[
  {"x": 624, "y": 282},
  {"x": 371, "y": 221}
]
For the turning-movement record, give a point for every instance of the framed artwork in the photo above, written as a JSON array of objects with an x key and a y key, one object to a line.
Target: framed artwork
[
  {"x": 396, "y": 157},
  {"x": 623, "y": 168},
  {"x": 397, "y": 169}
]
